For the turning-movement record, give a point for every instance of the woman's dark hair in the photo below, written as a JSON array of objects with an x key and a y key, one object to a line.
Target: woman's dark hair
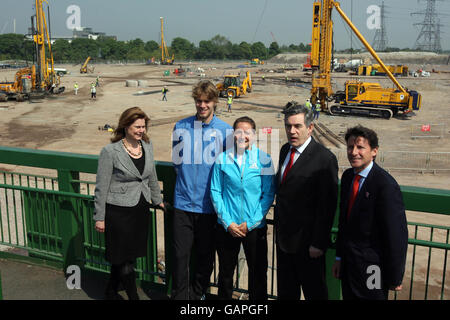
[
  {"x": 360, "y": 131},
  {"x": 244, "y": 119},
  {"x": 127, "y": 118}
]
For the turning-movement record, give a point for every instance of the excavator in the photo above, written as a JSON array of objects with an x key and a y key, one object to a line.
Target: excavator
[
  {"x": 84, "y": 68},
  {"x": 231, "y": 85},
  {"x": 41, "y": 78},
  {"x": 357, "y": 98},
  {"x": 165, "y": 59}
]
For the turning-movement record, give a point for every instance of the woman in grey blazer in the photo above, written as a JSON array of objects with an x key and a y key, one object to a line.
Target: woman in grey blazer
[{"x": 126, "y": 184}]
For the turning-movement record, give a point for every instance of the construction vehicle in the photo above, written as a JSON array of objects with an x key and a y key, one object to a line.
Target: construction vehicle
[
  {"x": 256, "y": 61},
  {"x": 84, "y": 68},
  {"x": 231, "y": 85},
  {"x": 376, "y": 70},
  {"x": 358, "y": 98},
  {"x": 351, "y": 65},
  {"x": 41, "y": 78},
  {"x": 165, "y": 58},
  {"x": 24, "y": 83},
  {"x": 179, "y": 71},
  {"x": 307, "y": 65}
]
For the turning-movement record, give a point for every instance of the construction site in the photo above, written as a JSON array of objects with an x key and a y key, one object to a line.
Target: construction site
[{"x": 413, "y": 126}]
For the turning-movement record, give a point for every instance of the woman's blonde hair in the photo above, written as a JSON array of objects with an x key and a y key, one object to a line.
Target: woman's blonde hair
[{"x": 127, "y": 118}]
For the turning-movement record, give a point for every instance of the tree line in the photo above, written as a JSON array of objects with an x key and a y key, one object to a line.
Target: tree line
[{"x": 18, "y": 47}]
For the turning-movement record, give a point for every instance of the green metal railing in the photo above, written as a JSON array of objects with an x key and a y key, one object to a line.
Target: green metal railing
[{"x": 50, "y": 216}]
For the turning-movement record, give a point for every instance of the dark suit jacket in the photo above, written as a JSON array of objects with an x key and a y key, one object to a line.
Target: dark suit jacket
[
  {"x": 306, "y": 202},
  {"x": 375, "y": 233}
]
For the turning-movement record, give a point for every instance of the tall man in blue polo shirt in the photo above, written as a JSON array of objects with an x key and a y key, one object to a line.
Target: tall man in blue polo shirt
[{"x": 197, "y": 141}]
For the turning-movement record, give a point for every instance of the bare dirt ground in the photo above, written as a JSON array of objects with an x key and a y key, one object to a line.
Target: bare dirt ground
[{"x": 70, "y": 122}]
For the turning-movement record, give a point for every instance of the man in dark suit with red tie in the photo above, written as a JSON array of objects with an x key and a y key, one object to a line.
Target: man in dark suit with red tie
[
  {"x": 373, "y": 234},
  {"x": 305, "y": 207}
]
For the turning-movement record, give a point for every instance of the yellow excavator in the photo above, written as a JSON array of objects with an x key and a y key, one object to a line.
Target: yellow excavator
[
  {"x": 165, "y": 58},
  {"x": 231, "y": 85},
  {"x": 24, "y": 83},
  {"x": 41, "y": 78},
  {"x": 357, "y": 98},
  {"x": 84, "y": 68}
]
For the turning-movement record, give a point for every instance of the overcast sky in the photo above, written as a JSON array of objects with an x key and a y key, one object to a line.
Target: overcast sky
[{"x": 286, "y": 21}]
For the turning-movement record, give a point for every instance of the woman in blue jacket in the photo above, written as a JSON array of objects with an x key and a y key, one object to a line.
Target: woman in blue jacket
[{"x": 242, "y": 191}]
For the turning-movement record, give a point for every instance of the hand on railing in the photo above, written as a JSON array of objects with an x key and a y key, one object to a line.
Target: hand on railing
[
  {"x": 165, "y": 206},
  {"x": 336, "y": 269}
]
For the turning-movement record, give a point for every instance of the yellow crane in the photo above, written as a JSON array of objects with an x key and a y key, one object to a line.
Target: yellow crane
[
  {"x": 165, "y": 58},
  {"x": 358, "y": 98},
  {"x": 84, "y": 68},
  {"x": 41, "y": 78},
  {"x": 46, "y": 76}
]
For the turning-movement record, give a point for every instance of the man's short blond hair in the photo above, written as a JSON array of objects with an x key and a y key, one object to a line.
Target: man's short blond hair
[{"x": 207, "y": 88}]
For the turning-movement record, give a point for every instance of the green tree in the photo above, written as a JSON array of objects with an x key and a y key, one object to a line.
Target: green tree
[
  {"x": 222, "y": 47},
  {"x": 246, "y": 50},
  {"x": 151, "y": 46},
  {"x": 136, "y": 50},
  {"x": 14, "y": 46},
  {"x": 182, "y": 48},
  {"x": 259, "y": 50},
  {"x": 302, "y": 47},
  {"x": 61, "y": 50},
  {"x": 236, "y": 52},
  {"x": 274, "y": 49},
  {"x": 82, "y": 48},
  {"x": 205, "y": 50}
]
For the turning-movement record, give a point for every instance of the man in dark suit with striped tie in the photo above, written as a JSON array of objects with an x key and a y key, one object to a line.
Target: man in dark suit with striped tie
[
  {"x": 373, "y": 234},
  {"x": 305, "y": 208}
]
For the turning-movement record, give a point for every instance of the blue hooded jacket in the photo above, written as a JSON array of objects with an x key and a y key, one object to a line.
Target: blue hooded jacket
[{"x": 243, "y": 194}]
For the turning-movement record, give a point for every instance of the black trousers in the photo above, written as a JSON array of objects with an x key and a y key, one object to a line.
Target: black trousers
[
  {"x": 349, "y": 294},
  {"x": 255, "y": 248},
  {"x": 298, "y": 271},
  {"x": 192, "y": 230}
]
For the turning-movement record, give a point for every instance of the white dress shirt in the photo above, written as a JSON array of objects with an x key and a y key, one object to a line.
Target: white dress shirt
[{"x": 298, "y": 152}]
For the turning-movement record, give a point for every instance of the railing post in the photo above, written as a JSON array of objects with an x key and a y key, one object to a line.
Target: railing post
[
  {"x": 70, "y": 221},
  {"x": 1, "y": 295},
  {"x": 167, "y": 173},
  {"x": 333, "y": 284}
]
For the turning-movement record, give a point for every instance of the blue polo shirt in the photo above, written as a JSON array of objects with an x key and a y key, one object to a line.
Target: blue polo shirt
[{"x": 195, "y": 147}]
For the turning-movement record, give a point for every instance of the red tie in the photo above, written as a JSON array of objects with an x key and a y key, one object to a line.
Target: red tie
[
  {"x": 355, "y": 189},
  {"x": 289, "y": 165}
]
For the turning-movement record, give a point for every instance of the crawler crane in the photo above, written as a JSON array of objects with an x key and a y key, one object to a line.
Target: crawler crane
[
  {"x": 41, "y": 78},
  {"x": 165, "y": 59},
  {"x": 358, "y": 98}
]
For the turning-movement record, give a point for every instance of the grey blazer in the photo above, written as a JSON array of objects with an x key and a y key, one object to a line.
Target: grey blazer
[{"x": 119, "y": 182}]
